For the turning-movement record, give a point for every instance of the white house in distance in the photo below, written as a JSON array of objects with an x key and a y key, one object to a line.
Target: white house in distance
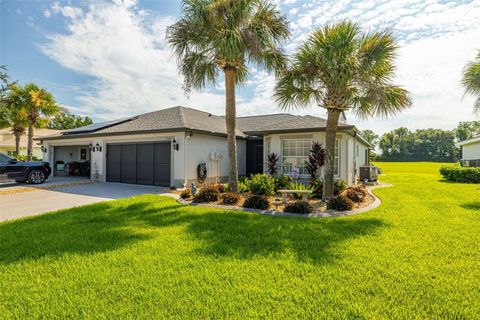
[
  {"x": 166, "y": 147},
  {"x": 7, "y": 141},
  {"x": 470, "y": 152}
]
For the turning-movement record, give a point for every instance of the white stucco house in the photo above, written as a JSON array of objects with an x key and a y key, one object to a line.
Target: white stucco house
[
  {"x": 470, "y": 152},
  {"x": 165, "y": 147}
]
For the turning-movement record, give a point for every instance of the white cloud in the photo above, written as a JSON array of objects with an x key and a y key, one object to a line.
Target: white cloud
[
  {"x": 122, "y": 47},
  {"x": 47, "y": 13}
]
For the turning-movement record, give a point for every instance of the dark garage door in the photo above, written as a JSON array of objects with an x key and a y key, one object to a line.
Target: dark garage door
[{"x": 140, "y": 163}]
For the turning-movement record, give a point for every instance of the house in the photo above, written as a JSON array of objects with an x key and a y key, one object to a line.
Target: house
[
  {"x": 7, "y": 141},
  {"x": 470, "y": 152},
  {"x": 165, "y": 147}
]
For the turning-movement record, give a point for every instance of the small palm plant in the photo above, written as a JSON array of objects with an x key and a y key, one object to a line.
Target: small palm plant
[
  {"x": 224, "y": 36},
  {"x": 471, "y": 81},
  {"x": 339, "y": 67}
]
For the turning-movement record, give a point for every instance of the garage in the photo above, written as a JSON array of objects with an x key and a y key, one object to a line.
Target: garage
[
  {"x": 139, "y": 163},
  {"x": 72, "y": 160}
]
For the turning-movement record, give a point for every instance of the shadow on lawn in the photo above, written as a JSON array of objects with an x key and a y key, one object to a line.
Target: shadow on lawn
[
  {"x": 471, "y": 205},
  {"x": 112, "y": 225}
]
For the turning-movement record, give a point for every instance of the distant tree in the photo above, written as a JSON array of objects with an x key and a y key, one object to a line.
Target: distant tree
[
  {"x": 5, "y": 88},
  {"x": 14, "y": 113},
  {"x": 467, "y": 129},
  {"x": 471, "y": 81},
  {"x": 39, "y": 105},
  {"x": 316, "y": 160},
  {"x": 370, "y": 136},
  {"x": 64, "y": 120},
  {"x": 421, "y": 145}
]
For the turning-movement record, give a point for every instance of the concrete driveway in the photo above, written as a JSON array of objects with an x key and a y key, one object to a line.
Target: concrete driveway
[{"x": 23, "y": 204}]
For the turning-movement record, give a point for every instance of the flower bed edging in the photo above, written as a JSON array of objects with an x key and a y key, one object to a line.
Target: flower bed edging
[{"x": 328, "y": 214}]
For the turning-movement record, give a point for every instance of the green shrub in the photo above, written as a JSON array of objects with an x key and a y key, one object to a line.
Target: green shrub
[
  {"x": 340, "y": 203},
  {"x": 257, "y": 202},
  {"x": 298, "y": 186},
  {"x": 262, "y": 184},
  {"x": 230, "y": 198},
  {"x": 298, "y": 207},
  {"x": 206, "y": 194},
  {"x": 339, "y": 186},
  {"x": 241, "y": 187},
  {"x": 461, "y": 174},
  {"x": 317, "y": 188},
  {"x": 356, "y": 194},
  {"x": 186, "y": 193},
  {"x": 282, "y": 182}
]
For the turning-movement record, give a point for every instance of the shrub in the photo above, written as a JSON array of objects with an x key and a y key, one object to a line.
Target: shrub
[
  {"x": 206, "y": 194},
  {"x": 220, "y": 187},
  {"x": 272, "y": 163},
  {"x": 257, "y": 202},
  {"x": 230, "y": 198},
  {"x": 241, "y": 187},
  {"x": 186, "y": 193},
  {"x": 316, "y": 160},
  {"x": 356, "y": 194},
  {"x": 340, "y": 203},
  {"x": 262, "y": 184},
  {"x": 317, "y": 188},
  {"x": 339, "y": 186},
  {"x": 299, "y": 207},
  {"x": 461, "y": 174},
  {"x": 21, "y": 157},
  {"x": 282, "y": 182},
  {"x": 298, "y": 186}
]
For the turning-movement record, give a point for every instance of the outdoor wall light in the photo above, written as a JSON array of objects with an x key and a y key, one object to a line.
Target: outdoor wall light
[
  {"x": 91, "y": 147},
  {"x": 99, "y": 147},
  {"x": 44, "y": 149},
  {"x": 175, "y": 144}
]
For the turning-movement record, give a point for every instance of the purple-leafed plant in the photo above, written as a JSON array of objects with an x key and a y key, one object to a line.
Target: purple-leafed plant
[
  {"x": 272, "y": 163},
  {"x": 316, "y": 160}
]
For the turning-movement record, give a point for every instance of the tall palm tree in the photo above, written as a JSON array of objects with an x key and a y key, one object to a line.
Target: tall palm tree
[
  {"x": 14, "y": 114},
  {"x": 471, "y": 81},
  {"x": 39, "y": 104},
  {"x": 215, "y": 36},
  {"x": 340, "y": 67}
]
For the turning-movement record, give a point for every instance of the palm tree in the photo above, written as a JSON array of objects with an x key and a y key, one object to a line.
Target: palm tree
[
  {"x": 215, "y": 36},
  {"x": 39, "y": 104},
  {"x": 339, "y": 67},
  {"x": 471, "y": 81},
  {"x": 14, "y": 114}
]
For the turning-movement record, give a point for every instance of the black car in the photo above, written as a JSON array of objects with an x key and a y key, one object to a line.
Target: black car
[{"x": 32, "y": 172}]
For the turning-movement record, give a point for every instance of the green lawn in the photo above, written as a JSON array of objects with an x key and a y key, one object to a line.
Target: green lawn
[{"x": 416, "y": 256}]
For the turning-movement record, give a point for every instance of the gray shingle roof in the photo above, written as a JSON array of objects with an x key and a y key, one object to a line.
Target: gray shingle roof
[{"x": 182, "y": 118}]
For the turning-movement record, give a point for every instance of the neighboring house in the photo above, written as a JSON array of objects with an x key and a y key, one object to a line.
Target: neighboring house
[
  {"x": 7, "y": 141},
  {"x": 165, "y": 147},
  {"x": 470, "y": 152}
]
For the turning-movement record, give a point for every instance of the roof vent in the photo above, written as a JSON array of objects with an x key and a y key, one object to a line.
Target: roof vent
[{"x": 209, "y": 114}]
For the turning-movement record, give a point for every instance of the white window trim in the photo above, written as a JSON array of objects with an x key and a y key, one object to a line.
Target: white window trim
[{"x": 338, "y": 142}]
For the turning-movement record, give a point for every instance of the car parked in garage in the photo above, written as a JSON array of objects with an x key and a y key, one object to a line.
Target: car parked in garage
[{"x": 34, "y": 172}]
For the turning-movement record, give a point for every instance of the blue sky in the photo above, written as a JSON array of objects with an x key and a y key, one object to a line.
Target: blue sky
[{"x": 108, "y": 59}]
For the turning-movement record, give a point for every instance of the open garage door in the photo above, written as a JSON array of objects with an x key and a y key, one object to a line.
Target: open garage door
[{"x": 139, "y": 163}]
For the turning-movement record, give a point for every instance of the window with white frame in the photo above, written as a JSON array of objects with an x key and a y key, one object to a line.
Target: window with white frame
[
  {"x": 267, "y": 148},
  {"x": 294, "y": 154},
  {"x": 336, "y": 158}
]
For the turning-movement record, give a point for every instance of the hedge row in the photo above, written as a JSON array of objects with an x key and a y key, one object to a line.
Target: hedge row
[{"x": 461, "y": 174}]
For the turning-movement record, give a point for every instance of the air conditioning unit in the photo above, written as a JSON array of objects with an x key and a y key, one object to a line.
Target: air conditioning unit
[{"x": 368, "y": 173}]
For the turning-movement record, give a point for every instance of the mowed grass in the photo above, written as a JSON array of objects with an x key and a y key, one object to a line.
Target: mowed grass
[{"x": 417, "y": 256}]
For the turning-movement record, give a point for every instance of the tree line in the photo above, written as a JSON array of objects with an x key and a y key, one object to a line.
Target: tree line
[
  {"x": 26, "y": 107},
  {"x": 436, "y": 145}
]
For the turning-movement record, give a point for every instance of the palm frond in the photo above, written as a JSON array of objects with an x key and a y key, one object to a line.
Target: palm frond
[
  {"x": 198, "y": 70},
  {"x": 381, "y": 101}
]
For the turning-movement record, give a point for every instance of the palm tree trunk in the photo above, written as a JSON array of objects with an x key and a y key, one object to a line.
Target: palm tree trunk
[
  {"x": 331, "y": 134},
  {"x": 230, "y": 119},
  {"x": 30, "y": 141},
  {"x": 17, "y": 143}
]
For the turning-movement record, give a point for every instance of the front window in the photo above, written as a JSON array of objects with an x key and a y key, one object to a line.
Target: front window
[
  {"x": 295, "y": 152},
  {"x": 336, "y": 158}
]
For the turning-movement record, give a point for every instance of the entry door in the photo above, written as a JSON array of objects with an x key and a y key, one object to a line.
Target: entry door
[{"x": 258, "y": 158}]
